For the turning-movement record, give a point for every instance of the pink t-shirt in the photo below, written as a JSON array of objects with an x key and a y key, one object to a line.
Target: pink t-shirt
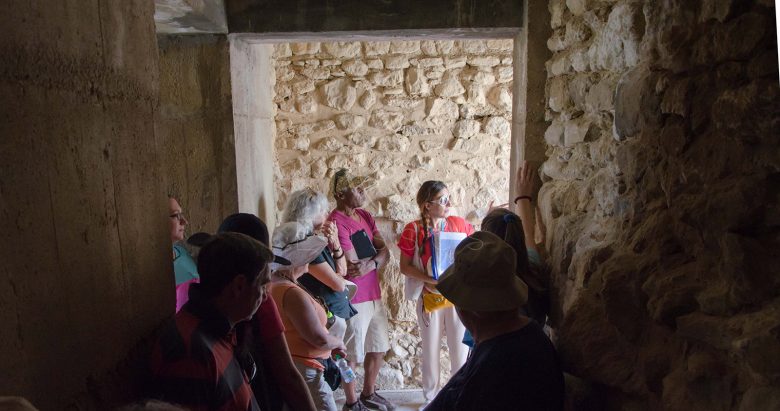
[{"x": 368, "y": 285}]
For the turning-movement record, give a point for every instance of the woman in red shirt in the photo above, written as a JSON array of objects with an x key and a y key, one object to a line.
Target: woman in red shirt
[{"x": 433, "y": 198}]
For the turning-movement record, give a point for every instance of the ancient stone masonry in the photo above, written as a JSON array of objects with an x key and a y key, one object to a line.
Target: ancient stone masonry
[
  {"x": 400, "y": 112},
  {"x": 661, "y": 200}
]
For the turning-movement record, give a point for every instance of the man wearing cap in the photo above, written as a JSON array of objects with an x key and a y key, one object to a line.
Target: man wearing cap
[
  {"x": 514, "y": 365},
  {"x": 194, "y": 363},
  {"x": 277, "y": 382},
  {"x": 366, "y": 337}
]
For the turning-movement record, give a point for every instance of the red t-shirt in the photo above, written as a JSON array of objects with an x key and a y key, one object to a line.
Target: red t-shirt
[
  {"x": 406, "y": 242},
  {"x": 267, "y": 319}
]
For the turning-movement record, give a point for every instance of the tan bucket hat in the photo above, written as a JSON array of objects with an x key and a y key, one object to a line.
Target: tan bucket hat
[{"x": 484, "y": 275}]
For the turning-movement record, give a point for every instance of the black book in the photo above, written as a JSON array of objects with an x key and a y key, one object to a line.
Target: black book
[{"x": 364, "y": 248}]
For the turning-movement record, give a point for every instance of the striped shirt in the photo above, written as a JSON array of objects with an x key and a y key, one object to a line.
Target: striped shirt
[{"x": 193, "y": 363}]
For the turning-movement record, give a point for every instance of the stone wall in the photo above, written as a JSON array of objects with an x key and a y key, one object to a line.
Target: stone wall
[
  {"x": 194, "y": 127},
  {"x": 86, "y": 262},
  {"x": 661, "y": 200},
  {"x": 400, "y": 112}
]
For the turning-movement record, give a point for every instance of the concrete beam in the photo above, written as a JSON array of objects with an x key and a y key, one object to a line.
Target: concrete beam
[
  {"x": 190, "y": 16},
  {"x": 286, "y": 16}
]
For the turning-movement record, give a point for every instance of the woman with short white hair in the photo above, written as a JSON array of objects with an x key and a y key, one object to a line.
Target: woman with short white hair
[
  {"x": 325, "y": 277},
  {"x": 303, "y": 315}
]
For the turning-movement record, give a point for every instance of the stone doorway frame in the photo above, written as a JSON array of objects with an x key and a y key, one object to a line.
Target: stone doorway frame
[{"x": 253, "y": 114}]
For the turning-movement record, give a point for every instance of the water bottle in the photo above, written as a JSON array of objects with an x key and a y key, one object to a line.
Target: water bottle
[{"x": 347, "y": 375}]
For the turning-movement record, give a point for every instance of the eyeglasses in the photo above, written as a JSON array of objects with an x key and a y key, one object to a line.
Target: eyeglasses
[
  {"x": 442, "y": 201},
  {"x": 179, "y": 216}
]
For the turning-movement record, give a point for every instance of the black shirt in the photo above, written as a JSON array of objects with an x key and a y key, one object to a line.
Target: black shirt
[
  {"x": 337, "y": 302},
  {"x": 514, "y": 371}
]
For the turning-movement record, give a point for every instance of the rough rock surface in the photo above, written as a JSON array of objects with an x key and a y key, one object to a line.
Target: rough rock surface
[
  {"x": 661, "y": 201},
  {"x": 392, "y": 111}
]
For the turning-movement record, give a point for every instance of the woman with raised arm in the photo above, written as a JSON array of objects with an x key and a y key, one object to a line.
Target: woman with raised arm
[
  {"x": 415, "y": 242},
  {"x": 325, "y": 278}
]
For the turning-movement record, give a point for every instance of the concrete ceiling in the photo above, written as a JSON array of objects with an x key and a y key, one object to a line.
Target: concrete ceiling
[{"x": 190, "y": 16}]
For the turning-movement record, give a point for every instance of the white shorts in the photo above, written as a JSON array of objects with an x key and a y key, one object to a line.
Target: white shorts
[{"x": 367, "y": 331}]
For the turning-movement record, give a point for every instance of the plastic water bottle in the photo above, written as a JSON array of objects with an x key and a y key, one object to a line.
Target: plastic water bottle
[{"x": 347, "y": 375}]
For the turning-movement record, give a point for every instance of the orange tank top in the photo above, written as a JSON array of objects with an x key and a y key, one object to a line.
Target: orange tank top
[{"x": 300, "y": 349}]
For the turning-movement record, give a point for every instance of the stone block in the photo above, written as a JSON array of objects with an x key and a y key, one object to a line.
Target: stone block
[
  {"x": 676, "y": 99},
  {"x": 403, "y": 102},
  {"x": 600, "y": 97},
  {"x": 330, "y": 62},
  {"x": 312, "y": 63},
  {"x": 483, "y": 78},
  {"x": 578, "y": 131},
  {"x": 303, "y": 49},
  {"x": 281, "y": 50},
  {"x": 430, "y": 62},
  {"x": 617, "y": 46},
  {"x": 319, "y": 73},
  {"x": 342, "y": 49},
  {"x": 554, "y": 134},
  {"x": 339, "y": 162},
  {"x": 739, "y": 37},
  {"x": 636, "y": 103},
  {"x": 476, "y": 94},
  {"x": 501, "y": 98},
  {"x": 500, "y": 45},
  {"x": 404, "y": 47},
  {"x": 483, "y": 61},
  {"x": 305, "y": 104},
  {"x": 355, "y": 68},
  {"x": 576, "y": 32},
  {"x": 505, "y": 74},
  {"x": 472, "y": 46},
  {"x": 393, "y": 91},
  {"x": 313, "y": 128},
  {"x": 454, "y": 62},
  {"x": 348, "y": 121},
  {"x": 421, "y": 162},
  {"x": 411, "y": 130},
  {"x": 416, "y": 83},
  {"x": 428, "y": 47},
  {"x": 394, "y": 143},
  {"x": 450, "y": 87},
  {"x": 367, "y": 100},
  {"x": 557, "y": 9},
  {"x": 558, "y": 65},
  {"x": 578, "y": 7},
  {"x": 429, "y": 145},
  {"x": 715, "y": 10},
  {"x": 300, "y": 143},
  {"x": 466, "y": 145},
  {"x": 559, "y": 95},
  {"x": 466, "y": 128},
  {"x": 557, "y": 42},
  {"x": 386, "y": 120},
  {"x": 387, "y": 78},
  {"x": 363, "y": 139},
  {"x": 434, "y": 73},
  {"x": 303, "y": 86},
  {"x": 284, "y": 74},
  {"x": 376, "y": 48},
  {"x": 396, "y": 62},
  {"x": 319, "y": 169},
  {"x": 445, "y": 47},
  {"x": 339, "y": 94},
  {"x": 375, "y": 64},
  {"x": 498, "y": 127},
  {"x": 401, "y": 209}
]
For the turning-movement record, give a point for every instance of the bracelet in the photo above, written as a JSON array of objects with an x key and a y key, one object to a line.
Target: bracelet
[
  {"x": 521, "y": 198},
  {"x": 336, "y": 257}
]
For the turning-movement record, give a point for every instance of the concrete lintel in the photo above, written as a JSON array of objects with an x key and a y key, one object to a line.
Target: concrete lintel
[
  {"x": 190, "y": 16},
  {"x": 383, "y": 35}
]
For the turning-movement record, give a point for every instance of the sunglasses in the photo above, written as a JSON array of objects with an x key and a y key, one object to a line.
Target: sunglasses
[{"x": 442, "y": 201}]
